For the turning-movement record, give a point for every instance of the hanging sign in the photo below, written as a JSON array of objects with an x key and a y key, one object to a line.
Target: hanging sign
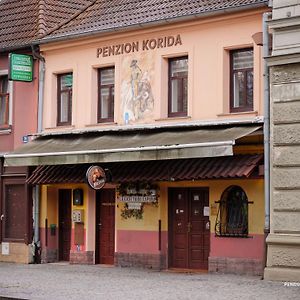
[
  {"x": 96, "y": 177},
  {"x": 20, "y": 67}
]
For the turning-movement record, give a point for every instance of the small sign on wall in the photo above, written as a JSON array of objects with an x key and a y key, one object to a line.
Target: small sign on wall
[{"x": 5, "y": 248}]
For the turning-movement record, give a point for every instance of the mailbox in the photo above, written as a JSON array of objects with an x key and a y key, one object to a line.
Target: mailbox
[{"x": 77, "y": 216}]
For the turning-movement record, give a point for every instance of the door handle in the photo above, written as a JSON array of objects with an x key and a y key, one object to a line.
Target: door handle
[
  {"x": 189, "y": 226},
  {"x": 1, "y": 217}
]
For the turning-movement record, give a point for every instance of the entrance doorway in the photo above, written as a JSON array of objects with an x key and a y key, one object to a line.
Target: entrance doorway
[
  {"x": 105, "y": 226},
  {"x": 189, "y": 233},
  {"x": 65, "y": 224}
]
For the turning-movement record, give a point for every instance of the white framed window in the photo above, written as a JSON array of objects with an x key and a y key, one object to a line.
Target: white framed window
[{"x": 6, "y": 96}]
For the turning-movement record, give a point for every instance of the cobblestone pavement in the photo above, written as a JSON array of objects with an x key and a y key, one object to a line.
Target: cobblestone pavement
[{"x": 64, "y": 281}]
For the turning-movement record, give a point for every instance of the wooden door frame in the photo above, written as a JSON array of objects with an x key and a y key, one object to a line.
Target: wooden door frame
[
  {"x": 59, "y": 237},
  {"x": 170, "y": 220},
  {"x": 97, "y": 219}
]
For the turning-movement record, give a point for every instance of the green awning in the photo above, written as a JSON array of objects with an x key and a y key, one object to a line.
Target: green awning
[{"x": 118, "y": 146}]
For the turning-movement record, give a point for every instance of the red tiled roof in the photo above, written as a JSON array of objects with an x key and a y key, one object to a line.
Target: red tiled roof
[
  {"x": 238, "y": 166},
  {"x": 118, "y": 14},
  {"x": 22, "y": 21}
]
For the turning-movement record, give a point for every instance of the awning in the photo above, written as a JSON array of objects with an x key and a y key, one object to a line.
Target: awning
[
  {"x": 238, "y": 166},
  {"x": 101, "y": 147}
]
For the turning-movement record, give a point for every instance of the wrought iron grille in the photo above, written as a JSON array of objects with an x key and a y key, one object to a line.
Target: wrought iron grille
[{"x": 232, "y": 217}]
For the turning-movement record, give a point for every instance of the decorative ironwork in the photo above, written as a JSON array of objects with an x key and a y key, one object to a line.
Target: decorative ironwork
[{"x": 232, "y": 217}]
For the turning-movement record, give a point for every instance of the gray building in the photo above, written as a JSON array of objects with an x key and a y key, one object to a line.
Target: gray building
[{"x": 283, "y": 242}]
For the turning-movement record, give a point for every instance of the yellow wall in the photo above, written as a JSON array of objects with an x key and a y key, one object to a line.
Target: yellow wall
[{"x": 254, "y": 189}]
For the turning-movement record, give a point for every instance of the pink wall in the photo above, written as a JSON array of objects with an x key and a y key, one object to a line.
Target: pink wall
[
  {"x": 137, "y": 241},
  {"x": 252, "y": 247},
  {"x": 25, "y": 105}
]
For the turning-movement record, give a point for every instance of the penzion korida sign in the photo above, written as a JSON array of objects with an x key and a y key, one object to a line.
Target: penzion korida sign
[{"x": 136, "y": 46}]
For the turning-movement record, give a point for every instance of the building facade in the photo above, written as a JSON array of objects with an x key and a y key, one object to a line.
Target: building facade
[
  {"x": 284, "y": 239},
  {"x": 169, "y": 116}
]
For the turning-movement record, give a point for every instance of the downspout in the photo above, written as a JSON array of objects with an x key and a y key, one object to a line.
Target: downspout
[
  {"x": 37, "y": 189},
  {"x": 266, "y": 47}
]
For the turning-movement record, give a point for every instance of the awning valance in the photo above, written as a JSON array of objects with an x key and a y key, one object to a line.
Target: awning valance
[
  {"x": 238, "y": 166},
  {"x": 118, "y": 146}
]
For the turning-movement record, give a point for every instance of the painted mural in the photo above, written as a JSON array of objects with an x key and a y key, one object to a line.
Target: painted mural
[{"x": 137, "y": 100}]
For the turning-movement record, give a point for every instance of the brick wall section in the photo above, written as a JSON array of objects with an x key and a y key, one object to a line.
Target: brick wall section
[
  {"x": 84, "y": 258},
  {"x": 49, "y": 256},
  {"x": 140, "y": 260},
  {"x": 235, "y": 265}
]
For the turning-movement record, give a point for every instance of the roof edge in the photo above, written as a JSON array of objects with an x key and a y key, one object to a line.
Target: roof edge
[{"x": 218, "y": 12}]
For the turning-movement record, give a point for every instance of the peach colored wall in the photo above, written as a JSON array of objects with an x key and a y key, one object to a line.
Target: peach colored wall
[
  {"x": 206, "y": 42},
  {"x": 24, "y": 109}
]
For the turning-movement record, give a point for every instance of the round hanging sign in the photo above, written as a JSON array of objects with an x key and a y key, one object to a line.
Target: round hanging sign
[{"x": 96, "y": 177}]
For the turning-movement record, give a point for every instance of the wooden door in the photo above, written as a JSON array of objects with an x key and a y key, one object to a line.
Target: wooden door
[
  {"x": 65, "y": 224},
  {"x": 189, "y": 232},
  {"x": 105, "y": 226}
]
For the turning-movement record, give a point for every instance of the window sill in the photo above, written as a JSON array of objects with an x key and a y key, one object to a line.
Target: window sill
[
  {"x": 254, "y": 112},
  {"x": 60, "y": 128},
  {"x": 233, "y": 236},
  {"x": 174, "y": 118},
  {"x": 101, "y": 124},
  {"x": 5, "y": 130}
]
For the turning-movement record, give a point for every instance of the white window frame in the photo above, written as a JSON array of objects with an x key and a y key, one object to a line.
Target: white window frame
[{"x": 10, "y": 91}]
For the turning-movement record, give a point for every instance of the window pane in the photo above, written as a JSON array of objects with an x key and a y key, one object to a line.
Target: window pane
[
  {"x": 178, "y": 86},
  {"x": 250, "y": 88},
  {"x": 179, "y": 67},
  {"x": 66, "y": 81},
  {"x": 4, "y": 97},
  {"x": 238, "y": 89},
  {"x": 3, "y": 84},
  {"x": 107, "y": 76},
  {"x": 106, "y": 97},
  {"x": 64, "y": 107},
  {"x": 175, "y": 95},
  {"x": 104, "y": 103},
  {"x": 242, "y": 59}
]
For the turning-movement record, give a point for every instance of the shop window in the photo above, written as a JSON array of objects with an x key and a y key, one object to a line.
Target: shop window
[
  {"x": 178, "y": 87},
  {"x": 106, "y": 94},
  {"x": 241, "y": 80},
  {"x": 64, "y": 99},
  {"x": 14, "y": 212},
  {"x": 232, "y": 218},
  {"x": 4, "y": 101}
]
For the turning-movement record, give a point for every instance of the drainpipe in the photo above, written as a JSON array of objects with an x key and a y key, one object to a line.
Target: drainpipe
[
  {"x": 266, "y": 47},
  {"x": 37, "y": 189}
]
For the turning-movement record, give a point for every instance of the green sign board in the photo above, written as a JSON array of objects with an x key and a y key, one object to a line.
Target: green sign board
[{"x": 20, "y": 67}]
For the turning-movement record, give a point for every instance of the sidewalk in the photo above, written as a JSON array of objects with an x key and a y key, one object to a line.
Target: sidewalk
[{"x": 64, "y": 281}]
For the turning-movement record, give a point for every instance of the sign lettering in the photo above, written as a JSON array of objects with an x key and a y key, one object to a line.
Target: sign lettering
[{"x": 144, "y": 45}]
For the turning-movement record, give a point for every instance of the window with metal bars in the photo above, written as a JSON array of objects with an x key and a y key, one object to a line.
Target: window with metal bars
[
  {"x": 4, "y": 101},
  {"x": 232, "y": 217}
]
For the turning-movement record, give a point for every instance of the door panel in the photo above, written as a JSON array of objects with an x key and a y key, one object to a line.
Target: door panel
[
  {"x": 105, "y": 226},
  {"x": 189, "y": 236},
  {"x": 65, "y": 224}
]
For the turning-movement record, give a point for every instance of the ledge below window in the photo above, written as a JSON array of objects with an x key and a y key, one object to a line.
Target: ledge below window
[
  {"x": 254, "y": 112},
  {"x": 101, "y": 124},
  {"x": 5, "y": 130},
  {"x": 173, "y": 118}
]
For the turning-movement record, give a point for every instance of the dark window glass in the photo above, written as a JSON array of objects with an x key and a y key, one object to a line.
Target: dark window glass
[
  {"x": 178, "y": 86},
  {"x": 241, "y": 80},
  {"x": 232, "y": 219},
  {"x": 106, "y": 94},
  {"x": 64, "y": 99},
  {"x": 4, "y": 101}
]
